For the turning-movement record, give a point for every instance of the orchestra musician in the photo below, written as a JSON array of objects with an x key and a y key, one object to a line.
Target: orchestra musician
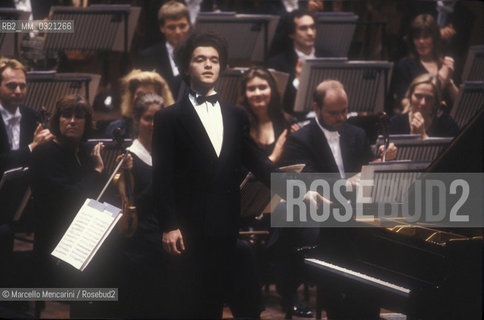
[
  {"x": 199, "y": 148},
  {"x": 63, "y": 173},
  {"x": 142, "y": 253},
  {"x": 269, "y": 127},
  {"x": 269, "y": 124},
  {"x": 133, "y": 85},
  {"x": 20, "y": 133},
  {"x": 422, "y": 112},
  {"x": 174, "y": 23},
  {"x": 425, "y": 45},
  {"x": 20, "y": 128},
  {"x": 328, "y": 144},
  {"x": 301, "y": 31}
]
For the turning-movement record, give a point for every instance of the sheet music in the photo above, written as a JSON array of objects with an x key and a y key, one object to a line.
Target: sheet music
[{"x": 87, "y": 232}]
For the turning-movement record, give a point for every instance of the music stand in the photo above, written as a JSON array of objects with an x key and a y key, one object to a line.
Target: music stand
[
  {"x": 229, "y": 83},
  {"x": 334, "y": 33},
  {"x": 46, "y": 87},
  {"x": 14, "y": 194},
  {"x": 414, "y": 148},
  {"x": 248, "y": 35},
  {"x": 400, "y": 173},
  {"x": 474, "y": 66},
  {"x": 9, "y": 41},
  {"x": 365, "y": 82},
  {"x": 96, "y": 28},
  {"x": 468, "y": 103}
]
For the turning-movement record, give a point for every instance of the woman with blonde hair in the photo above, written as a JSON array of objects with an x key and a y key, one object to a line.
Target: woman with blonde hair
[
  {"x": 422, "y": 112},
  {"x": 133, "y": 85}
]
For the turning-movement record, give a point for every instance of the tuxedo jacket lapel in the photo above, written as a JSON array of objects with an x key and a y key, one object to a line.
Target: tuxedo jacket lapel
[
  {"x": 194, "y": 127},
  {"x": 322, "y": 150},
  {"x": 4, "y": 143},
  {"x": 347, "y": 144},
  {"x": 230, "y": 124},
  {"x": 164, "y": 61}
]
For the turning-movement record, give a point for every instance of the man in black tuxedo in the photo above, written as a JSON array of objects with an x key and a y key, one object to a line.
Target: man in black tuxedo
[
  {"x": 301, "y": 30},
  {"x": 20, "y": 131},
  {"x": 174, "y": 21},
  {"x": 199, "y": 148},
  {"x": 328, "y": 144}
]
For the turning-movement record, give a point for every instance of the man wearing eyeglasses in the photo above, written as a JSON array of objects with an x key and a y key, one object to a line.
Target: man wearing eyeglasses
[{"x": 20, "y": 130}]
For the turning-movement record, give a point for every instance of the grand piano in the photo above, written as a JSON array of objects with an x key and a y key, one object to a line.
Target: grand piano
[{"x": 424, "y": 273}]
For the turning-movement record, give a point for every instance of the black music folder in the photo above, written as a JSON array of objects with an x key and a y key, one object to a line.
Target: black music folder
[
  {"x": 255, "y": 197},
  {"x": 14, "y": 194}
]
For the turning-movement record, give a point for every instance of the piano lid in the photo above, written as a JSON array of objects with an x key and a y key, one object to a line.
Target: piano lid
[{"x": 465, "y": 152}]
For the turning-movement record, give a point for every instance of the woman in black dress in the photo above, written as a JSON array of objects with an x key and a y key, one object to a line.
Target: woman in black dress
[
  {"x": 425, "y": 46},
  {"x": 64, "y": 172},
  {"x": 269, "y": 125},
  {"x": 142, "y": 253},
  {"x": 423, "y": 113}
]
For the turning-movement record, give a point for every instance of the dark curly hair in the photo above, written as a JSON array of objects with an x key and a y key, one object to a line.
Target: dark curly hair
[
  {"x": 183, "y": 53},
  {"x": 290, "y": 19}
]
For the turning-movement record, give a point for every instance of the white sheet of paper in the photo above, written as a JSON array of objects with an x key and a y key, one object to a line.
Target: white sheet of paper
[{"x": 87, "y": 232}]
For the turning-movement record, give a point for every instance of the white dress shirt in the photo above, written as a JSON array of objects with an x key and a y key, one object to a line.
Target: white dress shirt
[
  {"x": 290, "y": 5},
  {"x": 333, "y": 140},
  {"x": 170, "y": 50},
  {"x": 211, "y": 117},
  {"x": 12, "y": 125}
]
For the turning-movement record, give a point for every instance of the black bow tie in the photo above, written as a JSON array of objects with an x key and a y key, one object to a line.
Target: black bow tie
[{"x": 201, "y": 99}]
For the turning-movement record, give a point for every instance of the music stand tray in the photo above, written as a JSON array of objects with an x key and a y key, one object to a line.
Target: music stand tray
[
  {"x": 46, "y": 87},
  {"x": 366, "y": 82},
  {"x": 96, "y": 28},
  {"x": 468, "y": 103},
  {"x": 248, "y": 35},
  {"x": 400, "y": 173},
  {"x": 413, "y": 147},
  {"x": 474, "y": 66},
  {"x": 14, "y": 194}
]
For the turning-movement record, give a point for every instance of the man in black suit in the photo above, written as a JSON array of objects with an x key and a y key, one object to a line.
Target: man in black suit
[
  {"x": 20, "y": 131},
  {"x": 174, "y": 21},
  {"x": 199, "y": 148},
  {"x": 328, "y": 144},
  {"x": 301, "y": 30}
]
